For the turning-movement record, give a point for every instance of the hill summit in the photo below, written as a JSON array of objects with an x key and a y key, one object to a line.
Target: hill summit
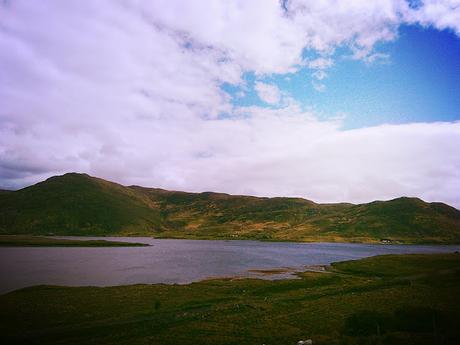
[{"x": 78, "y": 204}]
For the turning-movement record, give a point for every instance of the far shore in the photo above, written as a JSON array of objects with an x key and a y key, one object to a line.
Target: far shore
[
  {"x": 42, "y": 241},
  {"x": 81, "y": 240}
]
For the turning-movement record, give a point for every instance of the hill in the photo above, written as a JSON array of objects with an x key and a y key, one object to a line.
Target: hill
[{"x": 78, "y": 204}]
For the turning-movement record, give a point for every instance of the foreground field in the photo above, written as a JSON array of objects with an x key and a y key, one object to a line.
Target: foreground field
[
  {"x": 37, "y": 241},
  {"x": 411, "y": 299}
]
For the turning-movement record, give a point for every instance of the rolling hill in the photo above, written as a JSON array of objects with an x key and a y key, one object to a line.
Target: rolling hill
[{"x": 78, "y": 204}]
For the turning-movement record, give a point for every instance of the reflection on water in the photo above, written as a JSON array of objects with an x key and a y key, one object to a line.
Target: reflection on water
[{"x": 175, "y": 261}]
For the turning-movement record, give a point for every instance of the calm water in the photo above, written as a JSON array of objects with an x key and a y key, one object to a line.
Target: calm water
[{"x": 174, "y": 261}]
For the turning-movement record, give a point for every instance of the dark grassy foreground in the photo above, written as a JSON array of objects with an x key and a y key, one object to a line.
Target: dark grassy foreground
[
  {"x": 37, "y": 241},
  {"x": 412, "y": 299}
]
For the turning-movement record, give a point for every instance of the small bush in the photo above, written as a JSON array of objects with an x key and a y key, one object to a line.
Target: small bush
[
  {"x": 367, "y": 322},
  {"x": 417, "y": 319}
]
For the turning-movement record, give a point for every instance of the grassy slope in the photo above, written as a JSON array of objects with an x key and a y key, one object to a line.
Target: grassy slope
[
  {"x": 75, "y": 204},
  {"x": 342, "y": 307},
  {"x": 82, "y": 205},
  {"x": 37, "y": 241}
]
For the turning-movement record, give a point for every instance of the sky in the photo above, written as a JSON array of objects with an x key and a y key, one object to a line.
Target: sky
[{"x": 328, "y": 100}]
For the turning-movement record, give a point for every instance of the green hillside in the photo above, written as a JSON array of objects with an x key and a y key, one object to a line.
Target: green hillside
[{"x": 77, "y": 204}]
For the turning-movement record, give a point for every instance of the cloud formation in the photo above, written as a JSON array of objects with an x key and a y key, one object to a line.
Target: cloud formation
[
  {"x": 131, "y": 91},
  {"x": 268, "y": 93}
]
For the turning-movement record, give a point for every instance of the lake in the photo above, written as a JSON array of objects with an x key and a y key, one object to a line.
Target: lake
[{"x": 176, "y": 261}]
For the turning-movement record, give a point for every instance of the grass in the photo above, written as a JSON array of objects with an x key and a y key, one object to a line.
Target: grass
[
  {"x": 407, "y": 299},
  {"x": 393, "y": 266},
  {"x": 37, "y": 241}
]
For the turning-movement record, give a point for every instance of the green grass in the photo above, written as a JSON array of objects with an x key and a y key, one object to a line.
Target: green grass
[
  {"x": 37, "y": 241},
  {"x": 410, "y": 299},
  {"x": 393, "y": 266}
]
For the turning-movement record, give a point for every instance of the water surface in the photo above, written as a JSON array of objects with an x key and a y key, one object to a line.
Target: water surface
[{"x": 175, "y": 261}]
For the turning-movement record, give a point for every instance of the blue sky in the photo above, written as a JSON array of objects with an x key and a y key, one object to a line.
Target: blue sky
[
  {"x": 417, "y": 81},
  {"x": 328, "y": 100}
]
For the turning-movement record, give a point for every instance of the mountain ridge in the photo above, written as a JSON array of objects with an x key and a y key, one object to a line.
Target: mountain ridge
[{"x": 79, "y": 204}]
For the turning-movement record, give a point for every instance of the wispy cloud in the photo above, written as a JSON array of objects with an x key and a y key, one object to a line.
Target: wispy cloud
[
  {"x": 318, "y": 86},
  {"x": 320, "y": 63},
  {"x": 268, "y": 93}
]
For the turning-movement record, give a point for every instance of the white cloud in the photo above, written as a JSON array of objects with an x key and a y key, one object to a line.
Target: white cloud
[
  {"x": 442, "y": 14},
  {"x": 268, "y": 93},
  {"x": 318, "y": 86},
  {"x": 274, "y": 152},
  {"x": 130, "y": 91},
  {"x": 320, "y": 63},
  {"x": 319, "y": 74}
]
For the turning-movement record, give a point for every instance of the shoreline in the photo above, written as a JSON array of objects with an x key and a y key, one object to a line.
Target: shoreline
[
  {"x": 355, "y": 240},
  {"x": 256, "y": 274},
  {"x": 8, "y": 241},
  {"x": 408, "y": 291}
]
